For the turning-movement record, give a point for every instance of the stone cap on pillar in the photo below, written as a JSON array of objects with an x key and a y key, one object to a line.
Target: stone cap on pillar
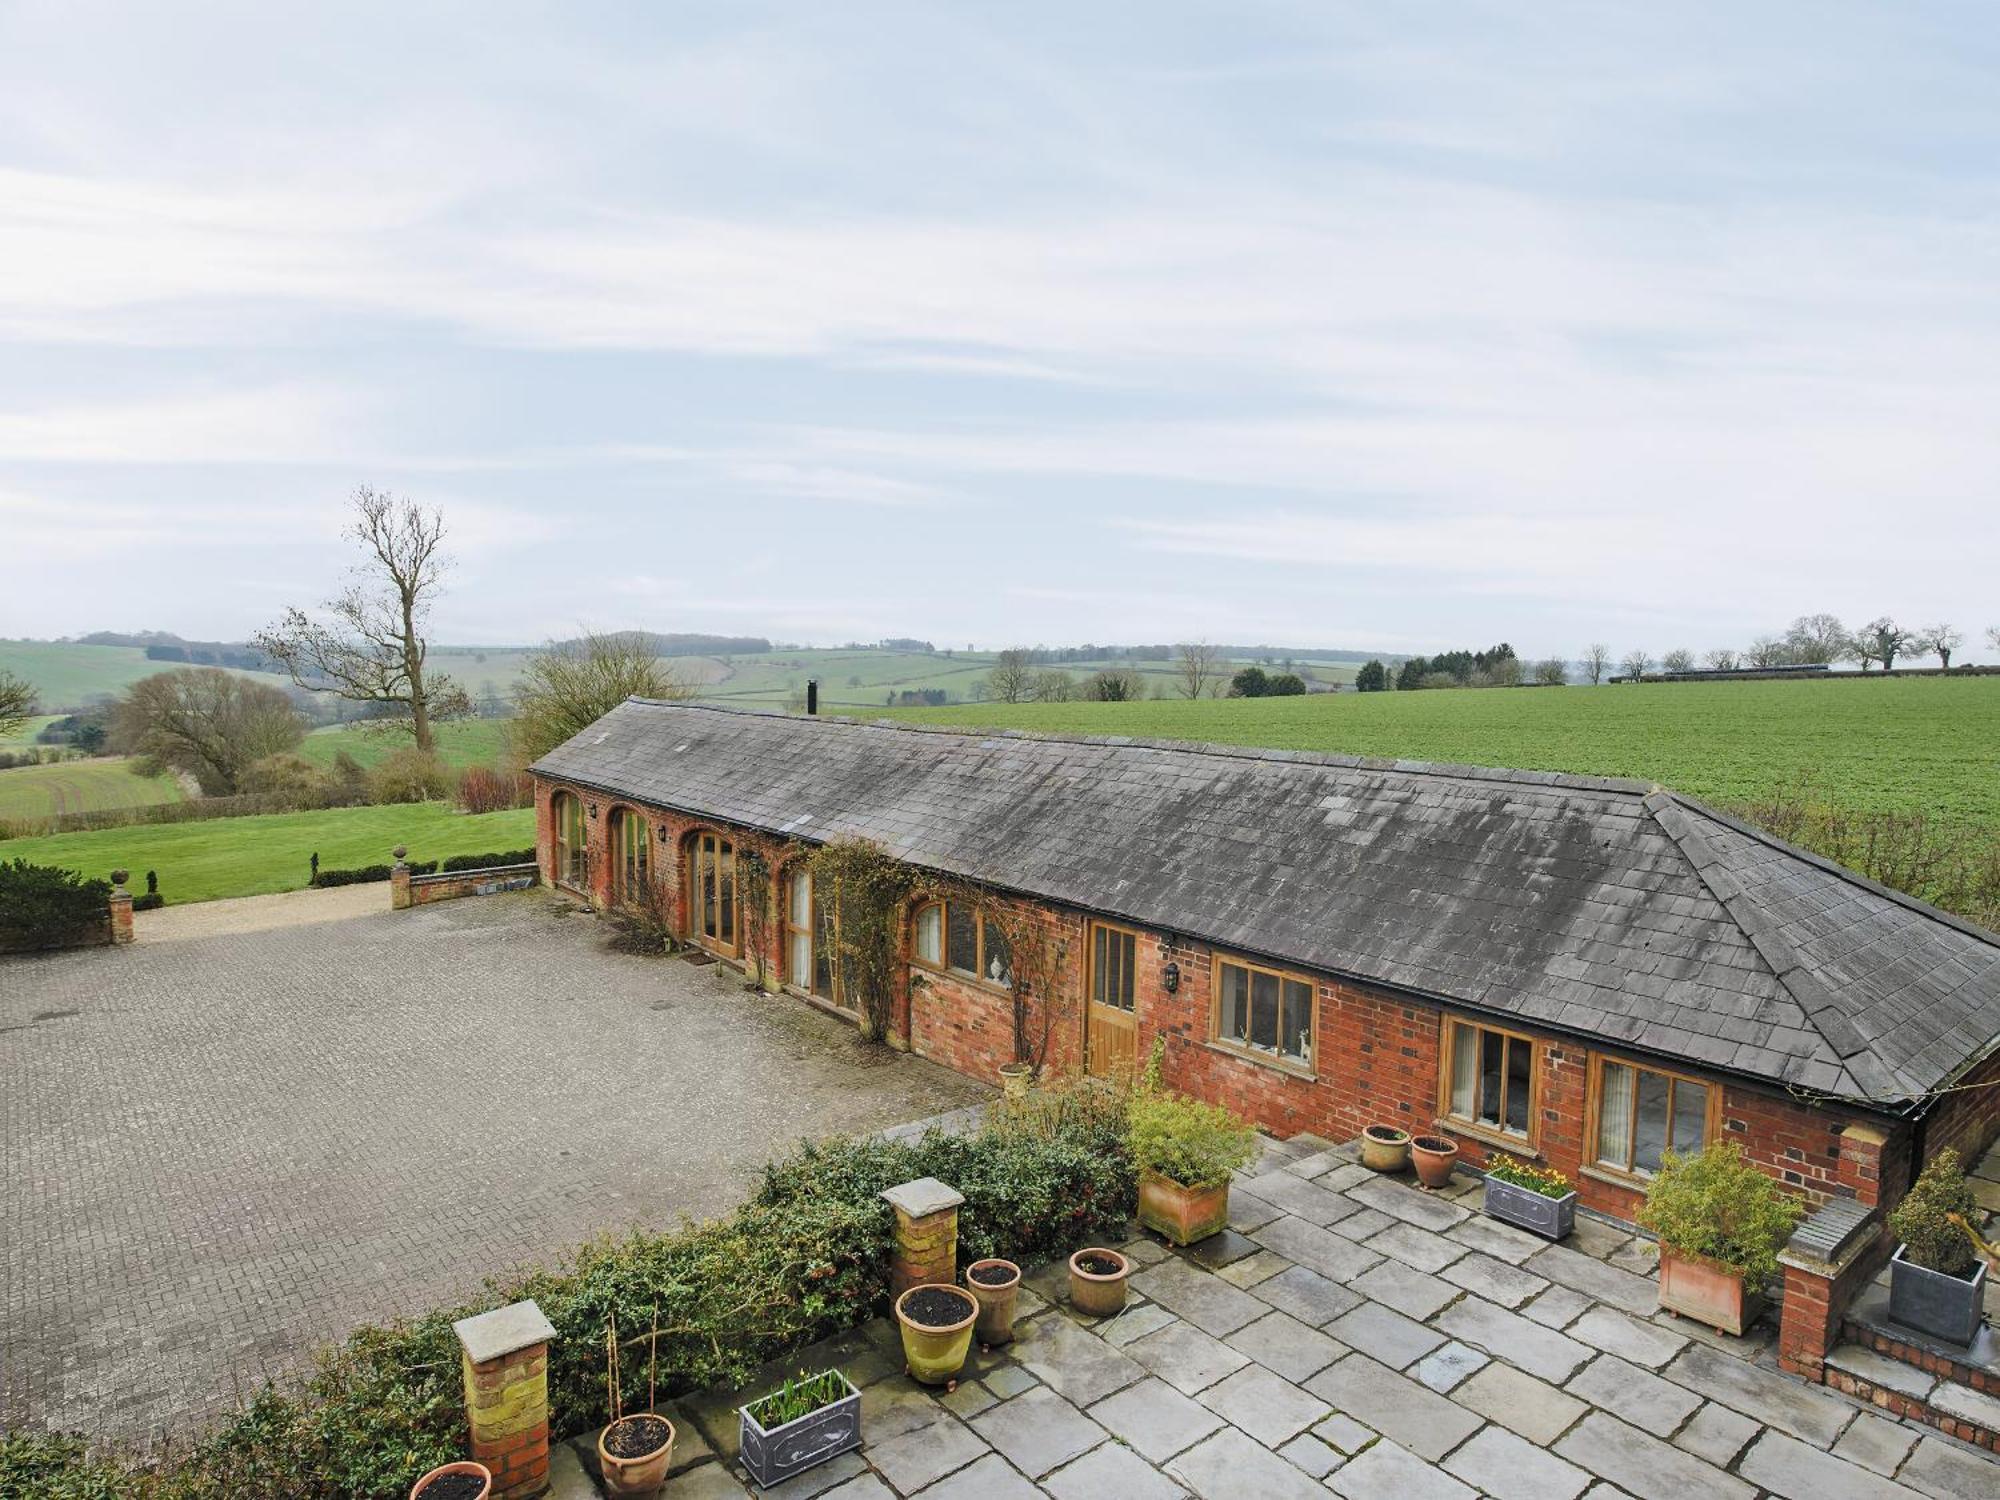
[
  {"x": 1831, "y": 1235},
  {"x": 503, "y": 1331},
  {"x": 922, "y": 1198}
]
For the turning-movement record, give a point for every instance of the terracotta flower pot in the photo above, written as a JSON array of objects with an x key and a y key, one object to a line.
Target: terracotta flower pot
[
  {"x": 463, "y": 1466},
  {"x": 635, "y": 1478},
  {"x": 1433, "y": 1155},
  {"x": 1696, "y": 1287},
  {"x": 1384, "y": 1148},
  {"x": 996, "y": 1299},
  {"x": 1014, "y": 1080},
  {"x": 1182, "y": 1214},
  {"x": 935, "y": 1354},
  {"x": 1098, "y": 1294}
]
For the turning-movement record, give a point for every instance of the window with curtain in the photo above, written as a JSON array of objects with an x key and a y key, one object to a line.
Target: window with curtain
[
  {"x": 1642, "y": 1114},
  {"x": 1264, "y": 1010},
  {"x": 1492, "y": 1074},
  {"x": 954, "y": 935}
]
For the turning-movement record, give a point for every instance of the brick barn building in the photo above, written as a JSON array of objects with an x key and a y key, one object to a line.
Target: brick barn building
[{"x": 1579, "y": 970}]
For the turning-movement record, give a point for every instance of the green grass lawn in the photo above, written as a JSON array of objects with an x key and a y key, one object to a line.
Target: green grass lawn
[
  {"x": 80, "y": 786},
  {"x": 250, "y": 856},
  {"x": 1928, "y": 745},
  {"x": 68, "y": 676},
  {"x": 461, "y": 742}
]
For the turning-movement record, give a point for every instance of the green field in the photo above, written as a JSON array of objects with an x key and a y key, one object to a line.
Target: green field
[
  {"x": 68, "y": 677},
  {"x": 250, "y": 856},
  {"x": 80, "y": 786},
  {"x": 1928, "y": 745},
  {"x": 22, "y": 736},
  {"x": 461, "y": 742}
]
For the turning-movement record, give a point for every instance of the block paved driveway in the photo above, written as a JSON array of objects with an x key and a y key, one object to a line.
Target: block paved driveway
[
  {"x": 1359, "y": 1338},
  {"x": 221, "y": 1151}
]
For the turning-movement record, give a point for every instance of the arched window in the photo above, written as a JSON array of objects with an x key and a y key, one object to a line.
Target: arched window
[
  {"x": 956, "y": 936},
  {"x": 629, "y": 853},
  {"x": 712, "y": 890},
  {"x": 572, "y": 844}
]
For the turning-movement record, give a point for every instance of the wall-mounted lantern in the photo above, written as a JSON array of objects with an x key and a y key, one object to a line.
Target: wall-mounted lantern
[{"x": 1171, "y": 977}]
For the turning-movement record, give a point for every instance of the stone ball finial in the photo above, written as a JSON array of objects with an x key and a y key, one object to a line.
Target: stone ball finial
[
  {"x": 401, "y": 852},
  {"x": 119, "y": 877}
]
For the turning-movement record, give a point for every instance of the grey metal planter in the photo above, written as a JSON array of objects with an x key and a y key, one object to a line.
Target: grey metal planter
[
  {"x": 1944, "y": 1306},
  {"x": 775, "y": 1456},
  {"x": 1551, "y": 1218}
]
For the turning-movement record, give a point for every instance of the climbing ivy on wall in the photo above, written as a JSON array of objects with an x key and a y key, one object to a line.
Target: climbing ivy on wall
[{"x": 862, "y": 889}]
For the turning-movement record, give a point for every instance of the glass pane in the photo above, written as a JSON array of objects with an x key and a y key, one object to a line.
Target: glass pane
[
  {"x": 1128, "y": 951},
  {"x": 999, "y": 960},
  {"x": 1100, "y": 979},
  {"x": 802, "y": 899},
  {"x": 1233, "y": 1021},
  {"x": 930, "y": 934},
  {"x": 1649, "y": 1127},
  {"x": 825, "y": 945},
  {"x": 961, "y": 938},
  {"x": 1690, "y": 1117},
  {"x": 1264, "y": 1011},
  {"x": 1464, "y": 1069},
  {"x": 1614, "y": 1115},
  {"x": 1492, "y": 1049},
  {"x": 705, "y": 863},
  {"x": 726, "y": 883},
  {"x": 1295, "y": 1039},
  {"x": 1520, "y": 1081},
  {"x": 798, "y": 961}
]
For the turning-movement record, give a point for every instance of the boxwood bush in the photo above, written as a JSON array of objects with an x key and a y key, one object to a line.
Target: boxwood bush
[{"x": 45, "y": 907}]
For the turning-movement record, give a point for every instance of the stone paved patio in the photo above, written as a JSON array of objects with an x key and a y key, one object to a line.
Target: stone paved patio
[{"x": 1356, "y": 1337}]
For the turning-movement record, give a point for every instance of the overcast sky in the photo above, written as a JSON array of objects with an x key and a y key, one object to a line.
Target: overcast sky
[{"x": 1327, "y": 323}]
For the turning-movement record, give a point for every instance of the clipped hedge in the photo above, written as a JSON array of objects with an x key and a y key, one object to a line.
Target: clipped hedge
[
  {"x": 808, "y": 1256},
  {"x": 367, "y": 874},
  {"x": 42, "y": 906},
  {"x": 487, "y": 861}
]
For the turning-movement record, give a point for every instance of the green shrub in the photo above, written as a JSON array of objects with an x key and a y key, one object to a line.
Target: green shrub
[
  {"x": 488, "y": 861},
  {"x": 1717, "y": 1206},
  {"x": 1194, "y": 1144},
  {"x": 45, "y": 907},
  {"x": 1929, "y": 1238},
  {"x": 409, "y": 775}
]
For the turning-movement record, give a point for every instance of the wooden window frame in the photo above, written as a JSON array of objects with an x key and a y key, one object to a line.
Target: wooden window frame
[
  {"x": 1593, "y": 1102},
  {"x": 943, "y": 966},
  {"x": 1278, "y": 1060},
  {"x": 1091, "y": 929},
  {"x": 697, "y": 914},
  {"x": 1527, "y": 1145},
  {"x": 621, "y": 843},
  {"x": 818, "y": 923},
  {"x": 561, "y": 846}
]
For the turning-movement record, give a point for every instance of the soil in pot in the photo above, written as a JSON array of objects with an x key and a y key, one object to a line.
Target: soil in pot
[
  {"x": 993, "y": 1275},
  {"x": 453, "y": 1487},
  {"x": 937, "y": 1307},
  {"x": 635, "y": 1437},
  {"x": 1384, "y": 1148},
  {"x": 1434, "y": 1155},
  {"x": 1100, "y": 1265}
]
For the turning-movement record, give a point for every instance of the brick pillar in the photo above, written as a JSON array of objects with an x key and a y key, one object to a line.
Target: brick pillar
[
  {"x": 506, "y": 1359},
  {"x": 1826, "y": 1264},
  {"x": 399, "y": 880},
  {"x": 926, "y": 1233},
  {"x": 121, "y": 908},
  {"x": 1860, "y": 1167}
]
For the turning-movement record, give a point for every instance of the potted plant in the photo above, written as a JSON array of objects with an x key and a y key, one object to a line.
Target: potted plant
[
  {"x": 996, "y": 1286},
  {"x": 463, "y": 1480},
  {"x": 1097, "y": 1280},
  {"x": 936, "y": 1321},
  {"x": 1433, "y": 1155},
  {"x": 1720, "y": 1222},
  {"x": 1385, "y": 1148},
  {"x": 1936, "y": 1282},
  {"x": 633, "y": 1452},
  {"x": 1014, "y": 1080},
  {"x": 1185, "y": 1151},
  {"x": 1537, "y": 1199},
  {"x": 806, "y": 1421}
]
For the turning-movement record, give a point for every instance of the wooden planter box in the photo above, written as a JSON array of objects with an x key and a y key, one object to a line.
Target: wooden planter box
[
  {"x": 1524, "y": 1208},
  {"x": 1944, "y": 1306},
  {"x": 1700, "y": 1289},
  {"x": 775, "y": 1456}
]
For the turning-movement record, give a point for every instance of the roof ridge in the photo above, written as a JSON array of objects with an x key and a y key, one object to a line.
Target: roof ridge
[{"x": 1563, "y": 780}]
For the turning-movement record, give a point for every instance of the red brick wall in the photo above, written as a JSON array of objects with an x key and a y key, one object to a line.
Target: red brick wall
[
  {"x": 969, "y": 1026},
  {"x": 1968, "y": 1118}
]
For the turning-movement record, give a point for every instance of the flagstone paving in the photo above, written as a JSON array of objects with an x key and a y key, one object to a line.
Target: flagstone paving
[{"x": 1511, "y": 1369}]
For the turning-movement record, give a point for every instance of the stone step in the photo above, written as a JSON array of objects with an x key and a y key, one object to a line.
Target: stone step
[{"x": 1880, "y": 1370}]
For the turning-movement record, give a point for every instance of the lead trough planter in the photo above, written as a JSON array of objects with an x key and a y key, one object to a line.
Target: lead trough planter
[
  {"x": 774, "y": 1456},
  {"x": 1524, "y": 1208},
  {"x": 1936, "y": 1302}
]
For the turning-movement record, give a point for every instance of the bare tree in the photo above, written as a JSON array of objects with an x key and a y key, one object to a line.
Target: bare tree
[
  {"x": 1939, "y": 641},
  {"x": 1768, "y": 651},
  {"x": 212, "y": 724},
  {"x": 1013, "y": 675},
  {"x": 1880, "y": 640},
  {"x": 1052, "y": 686},
  {"x": 1200, "y": 667},
  {"x": 1722, "y": 659},
  {"x": 1635, "y": 664},
  {"x": 370, "y": 647},
  {"x": 567, "y": 686},
  {"x": 1993, "y": 637},
  {"x": 1596, "y": 659},
  {"x": 1816, "y": 640},
  {"x": 1680, "y": 659},
  {"x": 1552, "y": 671},
  {"x": 17, "y": 701}
]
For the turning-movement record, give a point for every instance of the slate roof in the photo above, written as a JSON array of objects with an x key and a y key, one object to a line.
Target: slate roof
[{"x": 1598, "y": 906}]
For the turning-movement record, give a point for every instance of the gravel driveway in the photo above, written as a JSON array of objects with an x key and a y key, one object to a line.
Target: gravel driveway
[{"x": 224, "y": 1150}]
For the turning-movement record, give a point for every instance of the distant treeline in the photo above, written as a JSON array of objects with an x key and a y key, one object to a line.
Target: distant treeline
[{"x": 688, "y": 643}]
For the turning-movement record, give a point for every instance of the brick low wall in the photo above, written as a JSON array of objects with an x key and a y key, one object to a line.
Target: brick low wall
[{"x": 451, "y": 884}]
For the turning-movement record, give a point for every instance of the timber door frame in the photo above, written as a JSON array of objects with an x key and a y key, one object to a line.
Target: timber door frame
[{"x": 1091, "y": 1006}]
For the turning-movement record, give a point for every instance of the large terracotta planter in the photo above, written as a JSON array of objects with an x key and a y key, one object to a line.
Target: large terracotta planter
[
  {"x": 1433, "y": 1155},
  {"x": 996, "y": 1299},
  {"x": 935, "y": 1355},
  {"x": 1694, "y": 1287},
  {"x": 1183, "y": 1214},
  {"x": 1098, "y": 1294},
  {"x": 634, "y": 1478},
  {"x": 1384, "y": 1148},
  {"x": 463, "y": 1466}
]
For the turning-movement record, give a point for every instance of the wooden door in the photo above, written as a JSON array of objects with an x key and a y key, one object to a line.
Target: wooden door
[{"x": 1111, "y": 1028}]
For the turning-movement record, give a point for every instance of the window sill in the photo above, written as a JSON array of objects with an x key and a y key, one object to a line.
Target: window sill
[
  {"x": 1264, "y": 1060},
  {"x": 1631, "y": 1182},
  {"x": 959, "y": 976},
  {"x": 1499, "y": 1140}
]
